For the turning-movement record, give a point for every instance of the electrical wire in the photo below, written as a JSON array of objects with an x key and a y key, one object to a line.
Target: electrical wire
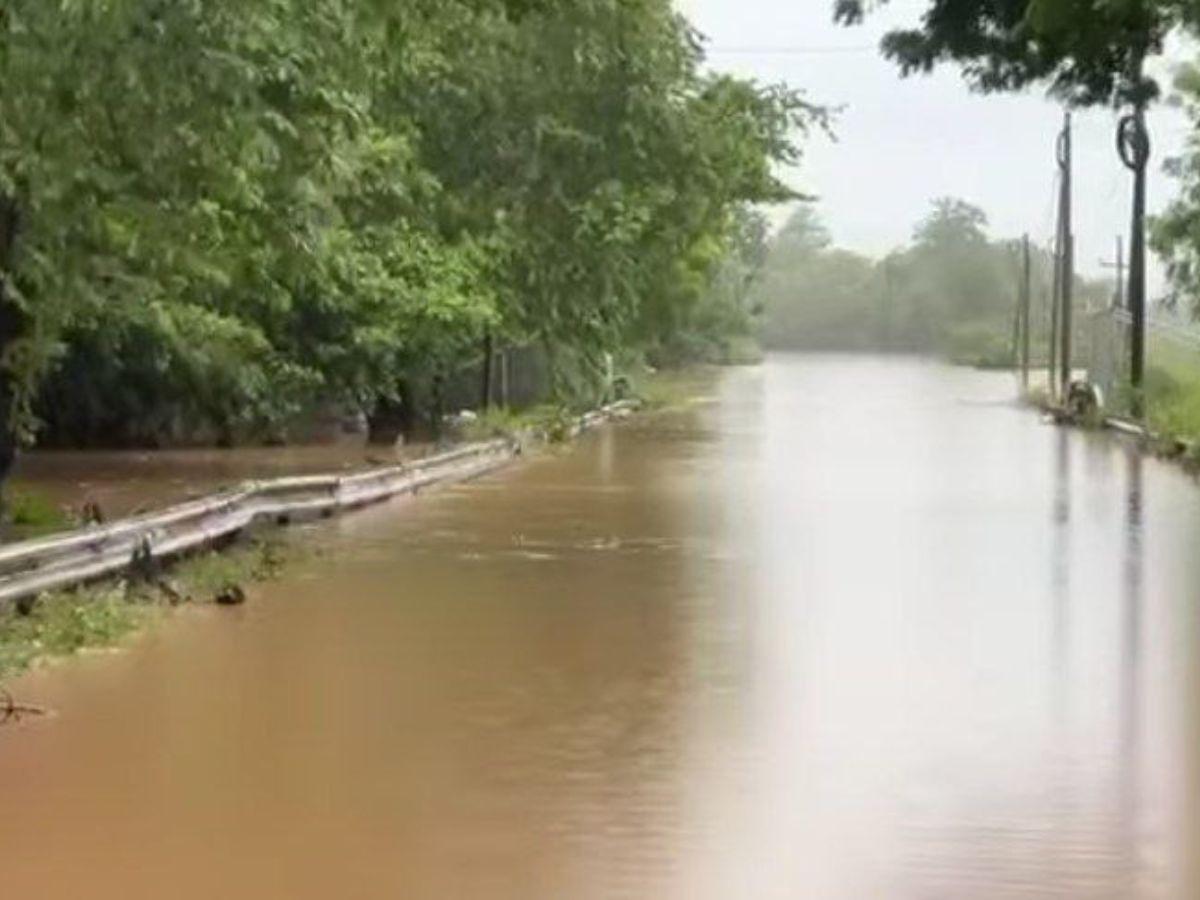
[{"x": 790, "y": 51}]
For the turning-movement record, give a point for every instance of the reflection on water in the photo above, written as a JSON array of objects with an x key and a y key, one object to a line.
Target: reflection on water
[
  {"x": 855, "y": 628},
  {"x": 1130, "y": 667}
]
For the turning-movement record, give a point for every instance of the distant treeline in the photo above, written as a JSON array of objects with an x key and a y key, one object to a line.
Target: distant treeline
[
  {"x": 218, "y": 216},
  {"x": 952, "y": 291}
]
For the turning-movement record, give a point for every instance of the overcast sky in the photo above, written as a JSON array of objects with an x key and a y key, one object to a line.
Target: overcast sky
[{"x": 902, "y": 142}]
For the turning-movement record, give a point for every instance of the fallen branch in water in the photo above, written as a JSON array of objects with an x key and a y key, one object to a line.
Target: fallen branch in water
[{"x": 11, "y": 711}]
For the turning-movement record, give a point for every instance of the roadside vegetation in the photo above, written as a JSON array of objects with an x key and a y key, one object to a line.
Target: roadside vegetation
[
  {"x": 652, "y": 389},
  {"x": 62, "y": 623},
  {"x": 1172, "y": 398},
  {"x": 101, "y": 615},
  {"x": 547, "y": 422},
  {"x": 1088, "y": 53},
  {"x": 261, "y": 210},
  {"x": 1172, "y": 389},
  {"x": 30, "y": 514},
  {"x": 950, "y": 292}
]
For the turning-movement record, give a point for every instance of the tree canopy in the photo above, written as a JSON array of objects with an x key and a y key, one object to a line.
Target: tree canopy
[
  {"x": 1175, "y": 234},
  {"x": 950, "y": 291},
  {"x": 1087, "y": 51},
  {"x": 256, "y": 206}
]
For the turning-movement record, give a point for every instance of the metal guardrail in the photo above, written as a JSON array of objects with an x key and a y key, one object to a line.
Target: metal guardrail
[
  {"x": 64, "y": 560},
  {"x": 31, "y": 567}
]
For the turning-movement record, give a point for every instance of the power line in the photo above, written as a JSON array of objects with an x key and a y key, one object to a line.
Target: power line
[{"x": 790, "y": 51}]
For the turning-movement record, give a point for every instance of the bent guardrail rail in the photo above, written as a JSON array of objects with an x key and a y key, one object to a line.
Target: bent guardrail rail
[
  {"x": 32, "y": 567},
  {"x": 28, "y": 568}
]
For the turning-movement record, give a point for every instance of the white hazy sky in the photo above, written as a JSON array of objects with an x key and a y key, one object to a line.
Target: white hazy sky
[{"x": 902, "y": 142}]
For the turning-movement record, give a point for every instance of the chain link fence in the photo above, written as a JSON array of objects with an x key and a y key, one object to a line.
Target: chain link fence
[
  {"x": 1105, "y": 355},
  {"x": 520, "y": 377},
  {"x": 1172, "y": 378}
]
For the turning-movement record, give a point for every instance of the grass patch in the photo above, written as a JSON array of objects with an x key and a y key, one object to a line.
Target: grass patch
[
  {"x": 497, "y": 422},
  {"x": 674, "y": 387},
  {"x": 554, "y": 423},
  {"x": 1172, "y": 392},
  {"x": 548, "y": 422},
  {"x": 30, "y": 514},
  {"x": 1170, "y": 398},
  {"x": 254, "y": 559},
  {"x": 65, "y": 622},
  {"x": 62, "y": 623}
]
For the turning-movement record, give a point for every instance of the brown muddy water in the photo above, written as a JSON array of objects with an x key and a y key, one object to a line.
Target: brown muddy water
[
  {"x": 126, "y": 482},
  {"x": 851, "y": 628}
]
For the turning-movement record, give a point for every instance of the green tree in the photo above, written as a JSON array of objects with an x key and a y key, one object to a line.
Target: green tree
[
  {"x": 816, "y": 296},
  {"x": 949, "y": 291},
  {"x": 613, "y": 186},
  {"x": 1175, "y": 234},
  {"x": 1087, "y": 51},
  {"x": 954, "y": 283},
  {"x": 258, "y": 207},
  {"x": 244, "y": 229}
]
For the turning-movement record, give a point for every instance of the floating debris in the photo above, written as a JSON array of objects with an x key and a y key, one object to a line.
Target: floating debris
[
  {"x": 230, "y": 595},
  {"x": 12, "y": 711}
]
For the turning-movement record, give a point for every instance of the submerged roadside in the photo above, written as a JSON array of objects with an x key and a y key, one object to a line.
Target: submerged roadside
[
  {"x": 223, "y": 567},
  {"x": 1158, "y": 433}
]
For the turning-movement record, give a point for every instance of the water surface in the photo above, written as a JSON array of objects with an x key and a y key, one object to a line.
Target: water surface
[{"x": 849, "y": 628}]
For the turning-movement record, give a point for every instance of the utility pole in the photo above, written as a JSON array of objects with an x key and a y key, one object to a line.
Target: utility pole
[
  {"x": 888, "y": 304},
  {"x": 1015, "y": 345},
  {"x": 1067, "y": 249},
  {"x": 1133, "y": 144},
  {"x": 485, "y": 398},
  {"x": 1119, "y": 265},
  {"x": 504, "y": 358},
  {"x": 1055, "y": 290},
  {"x": 1026, "y": 302}
]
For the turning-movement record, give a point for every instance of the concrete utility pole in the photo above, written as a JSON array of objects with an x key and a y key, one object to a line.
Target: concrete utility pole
[
  {"x": 1119, "y": 265},
  {"x": 888, "y": 302},
  {"x": 1026, "y": 300},
  {"x": 1067, "y": 249},
  {"x": 1055, "y": 304},
  {"x": 1133, "y": 144}
]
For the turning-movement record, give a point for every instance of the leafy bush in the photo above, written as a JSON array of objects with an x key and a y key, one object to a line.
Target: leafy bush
[{"x": 979, "y": 344}]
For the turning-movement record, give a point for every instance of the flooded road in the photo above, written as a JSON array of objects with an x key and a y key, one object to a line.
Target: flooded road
[
  {"x": 126, "y": 482},
  {"x": 851, "y": 628}
]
